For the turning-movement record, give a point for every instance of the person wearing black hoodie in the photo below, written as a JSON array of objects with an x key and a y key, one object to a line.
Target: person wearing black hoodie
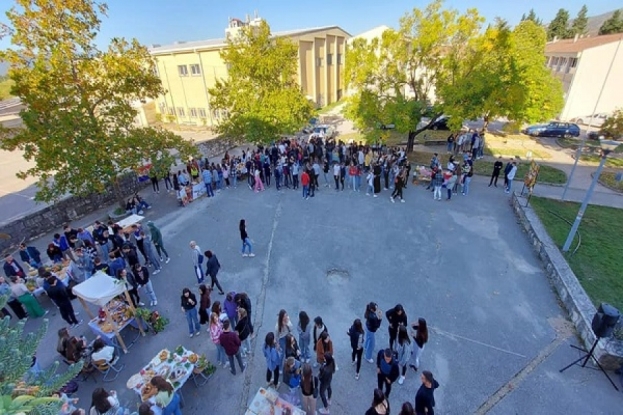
[
  {"x": 396, "y": 317},
  {"x": 387, "y": 370},
  {"x": 425, "y": 398}
]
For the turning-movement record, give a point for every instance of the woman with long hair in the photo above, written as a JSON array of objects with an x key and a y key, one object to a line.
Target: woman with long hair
[
  {"x": 304, "y": 329},
  {"x": 216, "y": 328},
  {"x": 425, "y": 398},
  {"x": 292, "y": 347},
  {"x": 189, "y": 307},
  {"x": 243, "y": 328},
  {"x": 166, "y": 398},
  {"x": 380, "y": 404},
  {"x": 403, "y": 348},
  {"x": 283, "y": 328},
  {"x": 309, "y": 390},
  {"x": 356, "y": 334},
  {"x": 204, "y": 304},
  {"x": 246, "y": 242},
  {"x": 104, "y": 403},
  {"x": 374, "y": 317},
  {"x": 325, "y": 375},
  {"x": 407, "y": 409},
  {"x": 420, "y": 335},
  {"x": 273, "y": 359}
]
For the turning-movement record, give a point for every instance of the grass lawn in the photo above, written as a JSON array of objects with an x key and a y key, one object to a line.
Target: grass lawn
[
  {"x": 608, "y": 179},
  {"x": 610, "y": 161},
  {"x": 547, "y": 174},
  {"x": 328, "y": 108},
  {"x": 5, "y": 89},
  {"x": 597, "y": 263},
  {"x": 514, "y": 145}
]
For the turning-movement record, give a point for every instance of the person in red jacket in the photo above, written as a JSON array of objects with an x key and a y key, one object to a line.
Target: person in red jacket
[
  {"x": 305, "y": 183},
  {"x": 230, "y": 341}
]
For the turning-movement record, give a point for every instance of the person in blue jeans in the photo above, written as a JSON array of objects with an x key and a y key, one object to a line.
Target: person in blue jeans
[
  {"x": 374, "y": 317},
  {"x": 304, "y": 329},
  {"x": 206, "y": 175},
  {"x": 189, "y": 307},
  {"x": 246, "y": 242},
  {"x": 166, "y": 398}
]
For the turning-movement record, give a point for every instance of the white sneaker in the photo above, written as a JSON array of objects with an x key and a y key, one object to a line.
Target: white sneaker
[
  {"x": 191, "y": 335},
  {"x": 251, "y": 255},
  {"x": 402, "y": 200},
  {"x": 392, "y": 199},
  {"x": 376, "y": 195},
  {"x": 245, "y": 255},
  {"x": 356, "y": 376},
  {"x": 156, "y": 272},
  {"x": 197, "y": 333},
  {"x": 370, "y": 360},
  {"x": 141, "y": 304},
  {"x": 167, "y": 261},
  {"x": 401, "y": 380}
]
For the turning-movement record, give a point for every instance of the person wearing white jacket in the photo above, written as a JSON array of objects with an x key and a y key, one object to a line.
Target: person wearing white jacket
[{"x": 511, "y": 176}]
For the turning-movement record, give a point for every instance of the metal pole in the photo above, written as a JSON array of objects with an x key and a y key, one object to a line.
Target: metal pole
[
  {"x": 587, "y": 198},
  {"x": 590, "y": 122}
]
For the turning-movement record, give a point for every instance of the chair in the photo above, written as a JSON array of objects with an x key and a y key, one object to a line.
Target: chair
[
  {"x": 105, "y": 368},
  {"x": 85, "y": 373}
]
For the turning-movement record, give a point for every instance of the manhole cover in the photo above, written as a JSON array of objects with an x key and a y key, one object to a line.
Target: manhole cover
[{"x": 337, "y": 276}]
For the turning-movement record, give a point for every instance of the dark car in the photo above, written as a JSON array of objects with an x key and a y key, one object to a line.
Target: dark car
[
  {"x": 440, "y": 124},
  {"x": 553, "y": 129}
]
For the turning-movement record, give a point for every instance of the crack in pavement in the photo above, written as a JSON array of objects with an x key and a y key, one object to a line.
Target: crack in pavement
[{"x": 259, "y": 313}]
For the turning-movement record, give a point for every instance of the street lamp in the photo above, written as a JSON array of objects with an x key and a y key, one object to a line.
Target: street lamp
[{"x": 607, "y": 146}]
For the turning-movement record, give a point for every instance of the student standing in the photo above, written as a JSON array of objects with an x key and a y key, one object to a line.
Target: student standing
[
  {"x": 197, "y": 258},
  {"x": 204, "y": 304},
  {"x": 497, "y": 168},
  {"x": 212, "y": 268},
  {"x": 283, "y": 328},
  {"x": 508, "y": 168},
  {"x": 243, "y": 328},
  {"x": 141, "y": 276},
  {"x": 380, "y": 405},
  {"x": 325, "y": 375},
  {"x": 396, "y": 317},
  {"x": 425, "y": 397},
  {"x": 304, "y": 329},
  {"x": 511, "y": 176},
  {"x": 216, "y": 328},
  {"x": 407, "y": 409},
  {"x": 403, "y": 348},
  {"x": 309, "y": 390},
  {"x": 246, "y": 241},
  {"x": 420, "y": 337},
  {"x": 273, "y": 359},
  {"x": 317, "y": 331},
  {"x": 57, "y": 292},
  {"x": 24, "y": 296},
  {"x": 356, "y": 335},
  {"x": 231, "y": 344},
  {"x": 387, "y": 370},
  {"x": 189, "y": 307},
  {"x": 374, "y": 317}
]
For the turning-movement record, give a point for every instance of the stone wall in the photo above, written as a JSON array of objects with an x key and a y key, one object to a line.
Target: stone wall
[
  {"x": 51, "y": 217},
  {"x": 573, "y": 297},
  {"x": 217, "y": 147}
]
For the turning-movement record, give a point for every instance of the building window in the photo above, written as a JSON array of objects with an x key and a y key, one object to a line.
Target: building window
[
  {"x": 193, "y": 112},
  {"x": 339, "y": 94},
  {"x": 163, "y": 107},
  {"x": 171, "y": 111},
  {"x": 215, "y": 114},
  {"x": 202, "y": 113},
  {"x": 573, "y": 63},
  {"x": 182, "y": 70},
  {"x": 180, "y": 111},
  {"x": 318, "y": 62},
  {"x": 195, "y": 69},
  {"x": 554, "y": 61},
  {"x": 339, "y": 58},
  {"x": 329, "y": 59}
]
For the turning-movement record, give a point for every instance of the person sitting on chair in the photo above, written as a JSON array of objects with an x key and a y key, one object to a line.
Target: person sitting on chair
[
  {"x": 101, "y": 351},
  {"x": 72, "y": 348}
]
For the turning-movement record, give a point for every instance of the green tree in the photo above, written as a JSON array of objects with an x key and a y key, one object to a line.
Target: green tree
[
  {"x": 79, "y": 119},
  {"x": 405, "y": 66},
  {"x": 20, "y": 391},
  {"x": 613, "y": 25},
  {"x": 260, "y": 97},
  {"x": 580, "y": 23},
  {"x": 559, "y": 26},
  {"x": 613, "y": 125},
  {"x": 532, "y": 17}
]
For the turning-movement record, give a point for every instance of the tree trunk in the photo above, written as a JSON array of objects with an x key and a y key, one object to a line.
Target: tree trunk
[
  {"x": 413, "y": 134},
  {"x": 410, "y": 141},
  {"x": 486, "y": 122}
]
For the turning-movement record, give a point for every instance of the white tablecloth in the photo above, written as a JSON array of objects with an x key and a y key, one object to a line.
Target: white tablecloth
[{"x": 130, "y": 220}]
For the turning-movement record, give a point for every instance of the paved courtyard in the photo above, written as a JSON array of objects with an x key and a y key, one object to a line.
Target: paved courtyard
[{"x": 498, "y": 336}]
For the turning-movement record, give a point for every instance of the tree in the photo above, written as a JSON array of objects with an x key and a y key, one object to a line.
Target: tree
[
  {"x": 79, "y": 119},
  {"x": 394, "y": 77},
  {"x": 20, "y": 391},
  {"x": 613, "y": 25},
  {"x": 580, "y": 23},
  {"x": 532, "y": 17},
  {"x": 260, "y": 96},
  {"x": 613, "y": 125},
  {"x": 559, "y": 27}
]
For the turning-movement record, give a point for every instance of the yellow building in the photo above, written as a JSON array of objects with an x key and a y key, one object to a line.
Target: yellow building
[{"x": 188, "y": 69}]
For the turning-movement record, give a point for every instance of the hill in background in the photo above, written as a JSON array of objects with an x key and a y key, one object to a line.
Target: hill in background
[{"x": 595, "y": 22}]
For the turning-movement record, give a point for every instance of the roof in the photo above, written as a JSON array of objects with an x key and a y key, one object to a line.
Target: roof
[
  {"x": 220, "y": 42},
  {"x": 581, "y": 44},
  {"x": 372, "y": 33}
]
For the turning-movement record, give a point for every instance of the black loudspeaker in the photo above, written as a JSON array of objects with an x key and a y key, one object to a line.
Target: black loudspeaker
[{"x": 605, "y": 320}]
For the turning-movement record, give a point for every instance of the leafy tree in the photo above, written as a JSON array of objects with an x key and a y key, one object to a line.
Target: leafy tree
[
  {"x": 580, "y": 23},
  {"x": 613, "y": 25},
  {"x": 532, "y": 17},
  {"x": 405, "y": 67},
  {"x": 79, "y": 120},
  {"x": 20, "y": 391},
  {"x": 260, "y": 96},
  {"x": 559, "y": 27},
  {"x": 613, "y": 125}
]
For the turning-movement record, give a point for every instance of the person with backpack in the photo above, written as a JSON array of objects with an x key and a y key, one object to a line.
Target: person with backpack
[
  {"x": 309, "y": 390},
  {"x": 387, "y": 370},
  {"x": 356, "y": 335},
  {"x": 374, "y": 317}
]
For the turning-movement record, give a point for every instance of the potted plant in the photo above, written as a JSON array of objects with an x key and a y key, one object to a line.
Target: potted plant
[
  {"x": 153, "y": 318},
  {"x": 204, "y": 366}
]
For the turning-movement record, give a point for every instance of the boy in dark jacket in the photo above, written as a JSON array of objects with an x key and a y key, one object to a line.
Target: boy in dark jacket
[
  {"x": 387, "y": 370},
  {"x": 396, "y": 317}
]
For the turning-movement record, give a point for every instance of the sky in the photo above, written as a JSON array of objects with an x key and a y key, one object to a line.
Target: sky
[{"x": 166, "y": 21}]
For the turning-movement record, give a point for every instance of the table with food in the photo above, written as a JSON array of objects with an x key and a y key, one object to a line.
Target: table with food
[
  {"x": 176, "y": 366},
  {"x": 120, "y": 317},
  {"x": 35, "y": 283},
  {"x": 268, "y": 402}
]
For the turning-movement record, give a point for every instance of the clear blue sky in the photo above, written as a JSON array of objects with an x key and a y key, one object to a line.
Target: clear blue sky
[{"x": 165, "y": 21}]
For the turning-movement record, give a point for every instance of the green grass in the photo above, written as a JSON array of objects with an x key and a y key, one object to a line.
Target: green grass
[
  {"x": 597, "y": 263},
  {"x": 328, "y": 108},
  {"x": 610, "y": 161},
  {"x": 608, "y": 179},
  {"x": 517, "y": 152},
  {"x": 5, "y": 89},
  {"x": 547, "y": 174}
]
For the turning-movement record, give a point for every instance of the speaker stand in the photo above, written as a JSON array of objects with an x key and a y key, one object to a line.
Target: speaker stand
[{"x": 588, "y": 354}]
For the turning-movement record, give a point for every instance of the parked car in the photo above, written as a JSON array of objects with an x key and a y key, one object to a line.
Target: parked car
[
  {"x": 597, "y": 121},
  {"x": 440, "y": 124},
  {"x": 553, "y": 129}
]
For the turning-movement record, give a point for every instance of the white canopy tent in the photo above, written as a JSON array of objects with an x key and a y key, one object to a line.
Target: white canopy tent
[{"x": 99, "y": 290}]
